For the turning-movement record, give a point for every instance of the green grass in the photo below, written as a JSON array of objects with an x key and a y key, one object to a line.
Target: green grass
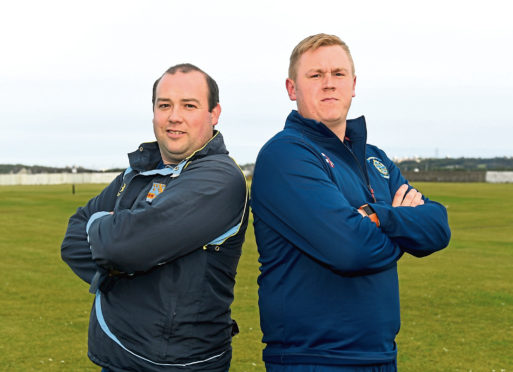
[{"x": 457, "y": 305}]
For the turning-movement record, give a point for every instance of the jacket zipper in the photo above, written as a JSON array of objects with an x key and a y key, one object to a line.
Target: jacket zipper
[{"x": 365, "y": 177}]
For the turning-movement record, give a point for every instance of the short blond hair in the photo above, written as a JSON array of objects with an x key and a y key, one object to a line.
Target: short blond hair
[{"x": 312, "y": 43}]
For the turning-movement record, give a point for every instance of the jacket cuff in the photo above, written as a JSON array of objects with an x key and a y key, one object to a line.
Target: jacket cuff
[
  {"x": 382, "y": 211},
  {"x": 94, "y": 217}
]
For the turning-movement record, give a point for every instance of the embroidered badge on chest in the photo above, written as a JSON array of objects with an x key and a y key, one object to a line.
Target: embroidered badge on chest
[
  {"x": 328, "y": 160},
  {"x": 156, "y": 189},
  {"x": 378, "y": 164}
]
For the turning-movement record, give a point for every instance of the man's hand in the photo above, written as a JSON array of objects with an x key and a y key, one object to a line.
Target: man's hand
[{"x": 411, "y": 199}]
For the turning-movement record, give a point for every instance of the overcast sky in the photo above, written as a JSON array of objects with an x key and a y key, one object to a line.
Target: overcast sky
[{"x": 433, "y": 77}]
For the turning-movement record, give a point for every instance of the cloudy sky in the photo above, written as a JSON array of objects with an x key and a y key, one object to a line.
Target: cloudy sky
[{"x": 433, "y": 77}]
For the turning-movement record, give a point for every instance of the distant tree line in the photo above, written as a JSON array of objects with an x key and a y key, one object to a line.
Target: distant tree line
[
  {"x": 456, "y": 164},
  {"x": 34, "y": 169},
  {"x": 406, "y": 165}
]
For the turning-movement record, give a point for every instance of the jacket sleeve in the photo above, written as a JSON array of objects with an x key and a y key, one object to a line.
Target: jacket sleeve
[
  {"x": 294, "y": 195},
  {"x": 75, "y": 249},
  {"x": 205, "y": 202},
  {"x": 419, "y": 231}
]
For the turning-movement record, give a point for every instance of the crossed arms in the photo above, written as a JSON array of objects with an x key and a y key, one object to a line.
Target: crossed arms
[
  {"x": 296, "y": 197},
  {"x": 202, "y": 204}
]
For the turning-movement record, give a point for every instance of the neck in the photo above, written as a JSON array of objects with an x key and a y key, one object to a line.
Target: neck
[{"x": 338, "y": 129}]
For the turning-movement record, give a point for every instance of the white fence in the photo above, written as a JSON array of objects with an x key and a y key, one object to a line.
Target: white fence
[
  {"x": 499, "y": 177},
  {"x": 76, "y": 178},
  {"x": 56, "y": 178}
]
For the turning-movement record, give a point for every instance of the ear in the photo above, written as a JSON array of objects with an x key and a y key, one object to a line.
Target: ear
[
  {"x": 354, "y": 86},
  {"x": 215, "y": 113},
  {"x": 291, "y": 89}
]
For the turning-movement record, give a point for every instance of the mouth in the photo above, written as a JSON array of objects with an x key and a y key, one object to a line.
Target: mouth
[
  {"x": 174, "y": 134},
  {"x": 329, "y": 99},
  {"x": 174, "y": 131}
]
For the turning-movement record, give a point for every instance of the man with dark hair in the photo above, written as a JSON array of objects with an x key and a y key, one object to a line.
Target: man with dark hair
[
  {"x": 213, "y": 90},
  {"x": 160, "y": 245},
  {"x": 332, "y": 216}
]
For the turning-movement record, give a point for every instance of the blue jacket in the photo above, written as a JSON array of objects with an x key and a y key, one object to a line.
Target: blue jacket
[
  {"x": 163, "y": 265},
  {"x": 328, "y": 288}
]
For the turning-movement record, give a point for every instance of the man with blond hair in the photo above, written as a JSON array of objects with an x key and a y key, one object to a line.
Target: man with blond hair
[{"x": 332, "y": 217}]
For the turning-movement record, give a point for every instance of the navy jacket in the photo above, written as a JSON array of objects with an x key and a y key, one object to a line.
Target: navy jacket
[
  {"x": 163, "y": 264},
  {"x": 328, "y": 285}
]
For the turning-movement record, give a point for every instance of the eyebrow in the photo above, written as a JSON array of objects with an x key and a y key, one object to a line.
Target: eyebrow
[
  {"x": 190, "y": 100},
  {"x": 182, "y": 100},
  {"x": 337, "y": 69}
]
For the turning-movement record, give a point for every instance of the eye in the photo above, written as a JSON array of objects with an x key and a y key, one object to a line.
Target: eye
[
  {"x": 190, "y": 106},
  {"x": 340, "y": 74},
  {"x": 163, "y": 105},
  {"x": 315, "y": 76}
]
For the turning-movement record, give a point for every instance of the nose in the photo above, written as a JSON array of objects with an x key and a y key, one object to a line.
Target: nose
[
  {"x": 327, "y": 82},
  {"x": 175, "y": 115}
]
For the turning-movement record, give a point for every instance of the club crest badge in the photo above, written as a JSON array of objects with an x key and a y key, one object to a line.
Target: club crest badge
[
  {"x": 328, "y": 160},
  {"x": 378, "y": 164},
  {"x": 156, "y": 189}
]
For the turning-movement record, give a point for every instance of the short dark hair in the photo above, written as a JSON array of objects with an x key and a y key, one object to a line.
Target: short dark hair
[{"x": 213, "y": 89}]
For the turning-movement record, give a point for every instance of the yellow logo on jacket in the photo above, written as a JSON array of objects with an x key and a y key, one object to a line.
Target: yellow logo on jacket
[{"x": 121, "y": 189}]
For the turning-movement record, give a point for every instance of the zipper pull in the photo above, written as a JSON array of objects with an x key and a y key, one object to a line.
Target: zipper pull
[{"x": 372, "y": 193}]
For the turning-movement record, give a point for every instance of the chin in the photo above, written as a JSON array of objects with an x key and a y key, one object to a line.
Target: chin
[{"x": 331, "y": 119}]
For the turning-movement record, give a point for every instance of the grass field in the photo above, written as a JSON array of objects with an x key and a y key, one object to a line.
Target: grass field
[{"x": 457, "y": 305}]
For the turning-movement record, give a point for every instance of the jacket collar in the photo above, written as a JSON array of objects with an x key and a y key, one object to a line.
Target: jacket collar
[
  {"x": 356, "y": 129},
  {"x": 147, "y": 156}
]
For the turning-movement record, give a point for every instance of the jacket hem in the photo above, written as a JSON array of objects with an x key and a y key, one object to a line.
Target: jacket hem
[{"x": 345, "y": 359}]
